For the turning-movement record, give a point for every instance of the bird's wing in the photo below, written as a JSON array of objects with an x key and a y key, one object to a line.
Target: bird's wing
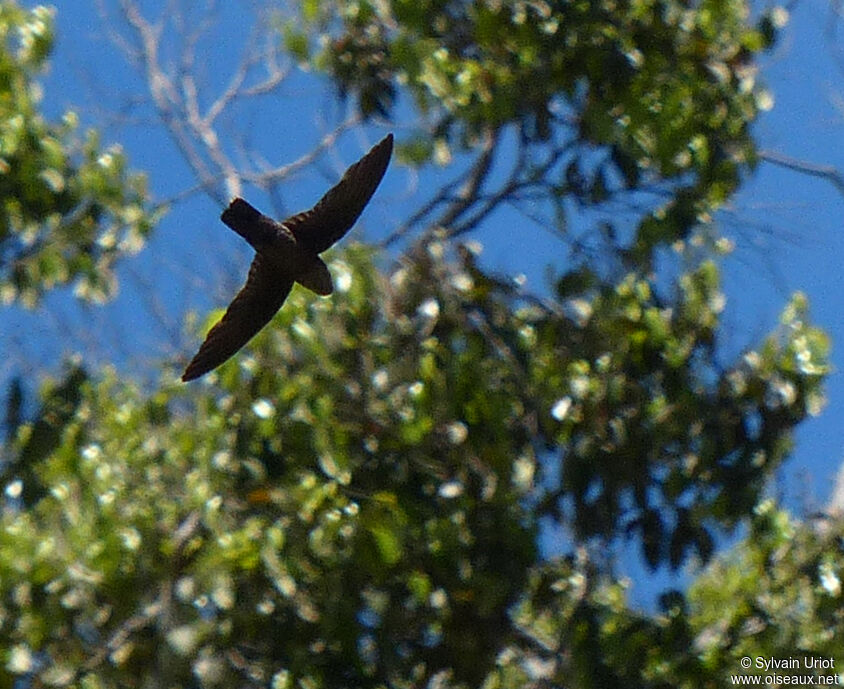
[
  {"x": 253, "y": 307},
  {"x": 336, "y": 212}
]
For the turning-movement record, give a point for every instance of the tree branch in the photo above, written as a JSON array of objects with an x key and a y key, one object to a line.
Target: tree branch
[
  {"x": 459, "y": 201},
  {"x": 175, "y": 96},
  {"x": 827, "y": 172},
  {"x": 268, "y": 177}
]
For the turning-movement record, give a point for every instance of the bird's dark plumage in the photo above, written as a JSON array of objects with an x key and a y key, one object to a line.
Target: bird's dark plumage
[{"x": 287, "y": 252}]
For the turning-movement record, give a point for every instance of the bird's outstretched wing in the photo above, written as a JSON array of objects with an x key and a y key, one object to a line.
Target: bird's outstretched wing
[
  {"x": 253, "y": 307},
  {"x": 336, "y": 212}
]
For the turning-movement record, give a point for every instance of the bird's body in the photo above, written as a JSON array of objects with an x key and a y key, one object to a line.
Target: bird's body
[
  {"x": 278, "y": 246},
  {"x": 287, "y": 252}
]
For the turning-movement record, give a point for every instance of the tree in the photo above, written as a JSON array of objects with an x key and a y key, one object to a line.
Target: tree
[
  {"x": 70, "y": 208},
  {"x": 356, "y": 500}
]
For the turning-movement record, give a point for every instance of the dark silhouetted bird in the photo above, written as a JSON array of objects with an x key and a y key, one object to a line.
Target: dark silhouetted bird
[{"x": 285, "y": 253}]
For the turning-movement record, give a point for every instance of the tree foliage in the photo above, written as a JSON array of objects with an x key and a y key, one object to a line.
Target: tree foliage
[
  {"x": 356, "y": 499},
  {"x": 779, "y": 591},
  {"x": 69, "y": 207},
  {"x": 632, "y": 95}
]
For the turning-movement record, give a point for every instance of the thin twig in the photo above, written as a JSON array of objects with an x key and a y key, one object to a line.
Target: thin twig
[
  {"x": 460, "y": 193},
  {"x": 827, "y": 172},
  {"x": 271, "y": 176}
]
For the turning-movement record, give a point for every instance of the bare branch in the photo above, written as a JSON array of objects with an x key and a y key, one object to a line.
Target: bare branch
[
  {"x": 446, "y": 193},
  {"x": 508, "y": 189},
  {"x": 275, "y": 75},
  {"x": 459, "y": 200},
  {"x": 176, "y": 96},
  {"x": 477, "y": 177},
  {"x": 466, "y": 201},
  {"x": 271, "y": 176},
  {"x": 131, "y": 52},
  {"x": 164, "y": 95},
  {"x": 827, "y": 172}
]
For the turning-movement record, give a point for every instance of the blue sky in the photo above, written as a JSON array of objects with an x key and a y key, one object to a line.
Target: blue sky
[
  {"x": 787, "y": 226},
  {"x": 799, "y": 239}
]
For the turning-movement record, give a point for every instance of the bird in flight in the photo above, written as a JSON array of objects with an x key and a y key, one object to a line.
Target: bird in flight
[{"x": 287, "y": 252}]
